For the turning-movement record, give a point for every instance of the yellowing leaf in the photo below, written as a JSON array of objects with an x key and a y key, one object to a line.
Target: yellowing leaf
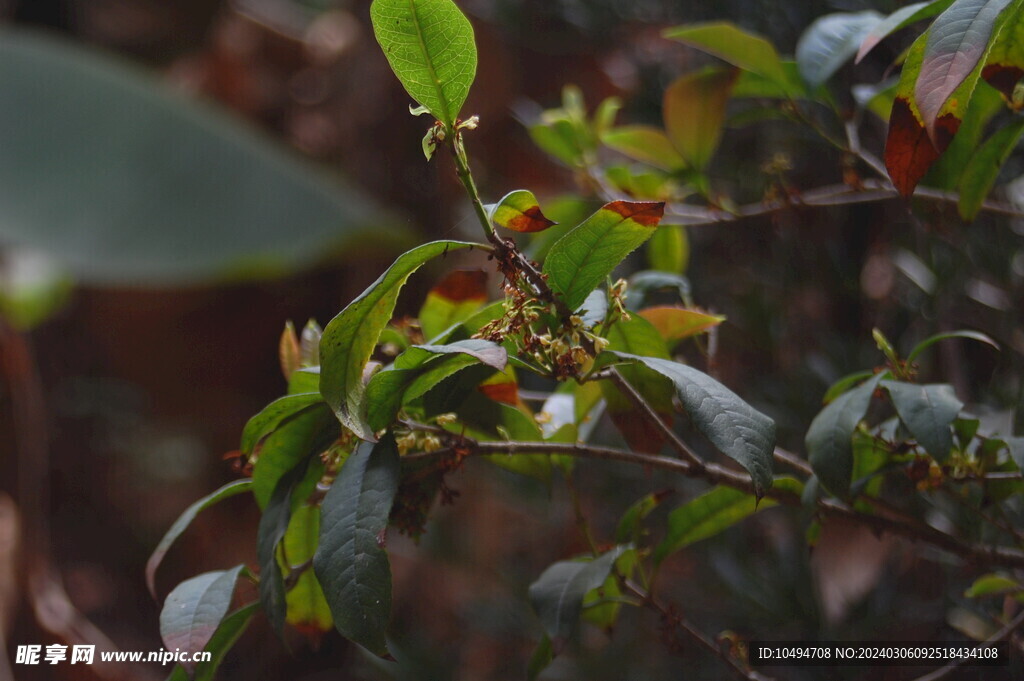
[
  {"x": 694, "y": 112},
  {"x": 677, "y": 323},
  {"x": 519, "y": 211}
]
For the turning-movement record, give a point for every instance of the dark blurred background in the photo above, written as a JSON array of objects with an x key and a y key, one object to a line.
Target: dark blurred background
[{"x": 146, "y": 385}]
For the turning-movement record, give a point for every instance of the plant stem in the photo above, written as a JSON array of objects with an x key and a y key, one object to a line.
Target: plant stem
[{"x": 466, "y": 177}]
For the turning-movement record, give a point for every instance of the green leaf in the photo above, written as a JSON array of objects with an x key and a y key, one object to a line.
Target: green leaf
[
  {"x": 711, "y": 513},
  {"x": 307, "y": 608},
  {"x": 195, "y": 608},
  {"x": 949, "y": 168},
  {"x": 601, "y": 606},
  {"x": 928, "y": 412},
  {"x": 306, "y": 433},
  {"x": 519, "y": 211},
  {"x": 349, "y": 339},
  {"x": 694, "y": 113},
  {"x": 350, "y": 562},
  {"x": 457, "y": 296},
  {"x": 124, "y": 181},
  {"x": 645, "y": 143},
  {"x": 273, "y": 415},
  {"x": 669, "y": 249},
  {"x": 1005, "y": 63},
  {"x": 734, "y": 45},
  {"x": 430, "y": 46},
  {"x": 962, "y": 333},
  {"x": 580, "y": 260},
  {"x": 228, "y": 633},
  {"x": 628, "y": 529},
  {"x": 676, "y": 323},
  {"x": 844, "y": 384},
  {"x": 542, "y": 656},
  {"x": 271, "y": 530},
  {"x": 754, "y": 85},
  {"x": 991, "y": 585},
  {"x": 901, "y": 18},
  {"x": 734, "y": 427},
  {"x": 184, "y": 520},
  {"x": 983, "y": 168},
  {"x": 557, "y": 595},
  {"x": 829, "y": 439},
  {"x": 957, "y": 45},
  {"x": 830, "y": 41}
]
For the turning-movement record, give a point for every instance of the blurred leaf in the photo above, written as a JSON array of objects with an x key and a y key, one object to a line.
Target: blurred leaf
[
  {"x": 430, "y": 46},
  {"x": 272, "y": 415},
  {"x": 830, "y": 41},
  {"x": 669, "y": 249},
  {"x": 542, "y": 656},
  {"x": 350, "y": 337},
  {"x": 457, "y": 296},
  {"x": 519, "y": 211},
  {"x": 580, "y": 260},
  {"x": 983, "y": 168},
  {"x": 732, "y": 44},
  {"x": 601, "y": 606},
  {"x": 677, "y": 323},
  {"x": 642, "y": 284},
  {"x": 901, "y": 18},
  {"x": 288, "y": 352},
  {"x": 755, "y": 85},
  {"x": 557, "y": 595},
  {"x": 734, "y": 427},
  {"x": 644, "y": 183},
  {"x": 928, "y": 412},
  {"x": 644, "y": 143},
  {"x": 350, "y": 562},
  {"x": 694, "y": 112},
  {"x": 184, "y": 520},
  {"x": 990, "y": 585},
  {"x": 307, "y": 609},
  {"x": 947, "y": 171},
  {"x": 962, "y": 333},
  {"x": 194, "y": 610},
  {"x": 558, "y": 138},
  {"x": 844, "y": 384},
  {"x": 123, "y": 181},
  {"x": 957, "y": 44},
  {"x": 828, "y": 441},
  {"x": 230, "y": 630},
  {"x": 965, "y": 429},
  {"x": 629, "y": 527},
  {"x": 297, "y": 438},
  {"x": 32, "y": 288},
  {"x": 713, "y": 512}
]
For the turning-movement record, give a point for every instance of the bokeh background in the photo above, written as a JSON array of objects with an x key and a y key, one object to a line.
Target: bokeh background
[{"x": 144, "y": 297}]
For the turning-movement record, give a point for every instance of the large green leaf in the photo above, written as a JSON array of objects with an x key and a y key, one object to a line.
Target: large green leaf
[
  {"x": 734, "y": 45},
  {"x": 307, "y": 609},
  {"x": 580, "y": 260},
  {"x": 349, "y": 339},
  {"x": 184, "y": 520},
  {"x": 928, "y": 412},
  {"x": 711, "y": 513},
  {"x": 124, "y": 181},
  {"x": 694, "y": 113},
  {"x": 350, "y": 562},
  {"x": 901, "y": 18},
  {"x": 557, "y": 595},
  {"x": 983, "y": 168},
  {"x": 830, "y": 41},
  {"x": 957, "y": 45},
  {"x": 306, "y": 433},
  {"x": 734, "y": 427},
  {"x": 430, "y": 46},
  {"x": 195, "y": 608},
  {"x": 271, "y": 416},
  {"x": 829, "y": 438}
]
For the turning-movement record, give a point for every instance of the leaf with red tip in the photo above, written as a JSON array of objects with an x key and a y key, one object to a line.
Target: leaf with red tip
[{"x": 519, "y": 211}]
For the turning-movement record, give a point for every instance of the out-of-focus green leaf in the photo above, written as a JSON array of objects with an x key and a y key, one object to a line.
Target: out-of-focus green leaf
[
  {"x": 430, "y": 46},
  {"x": 294, "y": 440},
  {"x": 32, "y": 288},
  {"x": 350, "y": 562},
  {"x": 580, "y": 260},
  {"x": 991, "y": 585},
  {"x": 519, "y": 211},
  {"x": 732, "y": 44},
  {"x": 184, "y": 520},
  {"x": 844, "y": 384},
  {"x": 830, "y": 41},
  {"x": 194, "y": 610},
  {"x": 307, "y": 609},
  {"x": 963, "y": 333},
  {"x": 457, "y": 296},
  {"x": 601, "y": 606},
  {"x": 901, "y": 18},
  {"x": 122, "y": 181},
  {"x": 542, "y": 656},
  {"x": 350, "y": 337},
  {"x": 983, "y": 168},
  {"x": 669, "y": 249},
  {"x": 829, "y": 438},
  {"x": 734, "y": 427},
  {"x": 230, "y": 630},
  {"x": 628, "y": 529},
  {"x": 713, "y": 512},
  {"x": 676, "y": 323},
  {"x": 928, "y": 412},
  {"x": 694, "y": 113},
  {"x": 557, "y": 595},
  {"x": 757, "y": 86},
  {"x": 645, "y": 143}
]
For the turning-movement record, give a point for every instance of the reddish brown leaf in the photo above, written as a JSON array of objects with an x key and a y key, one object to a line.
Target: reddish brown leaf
[
  {"x": 645, "y": 213},
  {"x": 462, "y": 285},
  {"x": 505, "y": 392},
  {"x": 909, "y": 151},
  {"x": 1002, "y": 77},
  {"x": 638, "y": 433}
]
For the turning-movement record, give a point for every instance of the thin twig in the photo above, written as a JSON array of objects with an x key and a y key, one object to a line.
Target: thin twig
[{"x": 1005, "y": 632}]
